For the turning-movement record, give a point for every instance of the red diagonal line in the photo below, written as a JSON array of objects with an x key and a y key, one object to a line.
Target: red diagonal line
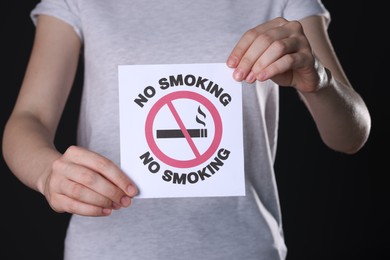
[{"x": 183, "y": 129}]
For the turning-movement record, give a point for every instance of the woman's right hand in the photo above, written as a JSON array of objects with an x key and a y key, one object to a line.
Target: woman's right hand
[
  {"x": 78, "y": 181},
  {"x": 85, "y": 183}
]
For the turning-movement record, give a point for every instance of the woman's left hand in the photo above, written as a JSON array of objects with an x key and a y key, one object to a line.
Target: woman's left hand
[{"x": 276, "y": 50}]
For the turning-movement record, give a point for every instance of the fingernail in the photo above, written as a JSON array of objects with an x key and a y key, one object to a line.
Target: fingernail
[
  {"x": 125, "y": 201},
  {"x": 106, "y": 211},
  {"x": 232, "y": 61},
  {"x": 250, "y": 78},
  {"x": 131, "y": 190},
  {"x": 238, "y": 75}
]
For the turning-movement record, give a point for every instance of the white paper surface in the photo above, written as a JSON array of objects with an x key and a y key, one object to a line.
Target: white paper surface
[{"x": 181, "y": 130}]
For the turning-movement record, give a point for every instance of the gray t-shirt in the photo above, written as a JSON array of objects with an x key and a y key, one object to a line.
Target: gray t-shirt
[{"x": 170, "y": 32}]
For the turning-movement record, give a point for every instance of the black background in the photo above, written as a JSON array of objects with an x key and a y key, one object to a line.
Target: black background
[{"x": 334, "y": 205}]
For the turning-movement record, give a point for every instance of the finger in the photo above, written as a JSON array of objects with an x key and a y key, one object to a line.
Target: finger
[
  {"x": 73, "y": 206},
  {"x": 248, "y": 38},
  {"x": 90, "y": 180},
  {"x": 86, "y": 195},
  {"x": 263, "y": 45},
  {"x": 279, "y": 68},
  {"x": 275, "y": 51},
  {"x": 103, "y": 166},
  {"x": 257, "y": 48}
]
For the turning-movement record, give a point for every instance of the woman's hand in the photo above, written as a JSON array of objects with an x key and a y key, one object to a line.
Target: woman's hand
[
  {"x": 86, "y": 183},
  {"x": 276, "y": 50}
]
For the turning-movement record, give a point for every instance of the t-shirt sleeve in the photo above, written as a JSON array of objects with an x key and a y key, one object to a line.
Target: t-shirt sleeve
[
  {"x": 64, "y": 10},
  {"x": 299, "y": 9}
]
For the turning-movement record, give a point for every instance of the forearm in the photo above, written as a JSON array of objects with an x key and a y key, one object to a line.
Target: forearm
[
  {"x": 340, "y": 114},
  {"x": 28, "y": 150}
]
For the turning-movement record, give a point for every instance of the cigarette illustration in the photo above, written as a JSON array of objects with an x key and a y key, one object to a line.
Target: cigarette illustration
[{"x": 177, "y": 133}]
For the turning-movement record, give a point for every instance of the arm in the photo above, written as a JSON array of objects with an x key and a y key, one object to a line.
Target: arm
[
  {"x": 79, "y": 181},
  {"x": 300, "y": 55},
  {"x": 340, "y": 113}
]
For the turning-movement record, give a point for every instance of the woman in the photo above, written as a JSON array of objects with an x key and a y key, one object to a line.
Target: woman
[{"x": 266, "y": 43}]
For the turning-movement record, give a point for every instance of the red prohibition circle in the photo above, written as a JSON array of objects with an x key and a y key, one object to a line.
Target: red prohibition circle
[{"x": 167, "y": 100}]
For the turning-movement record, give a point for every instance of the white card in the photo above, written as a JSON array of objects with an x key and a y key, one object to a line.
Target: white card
[{"x": 181, "y": 130}]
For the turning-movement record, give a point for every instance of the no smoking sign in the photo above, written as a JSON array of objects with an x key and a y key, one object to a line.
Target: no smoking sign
[
  {"x": 191, "y": 146},
  {"x": 181, "y": 130}
]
